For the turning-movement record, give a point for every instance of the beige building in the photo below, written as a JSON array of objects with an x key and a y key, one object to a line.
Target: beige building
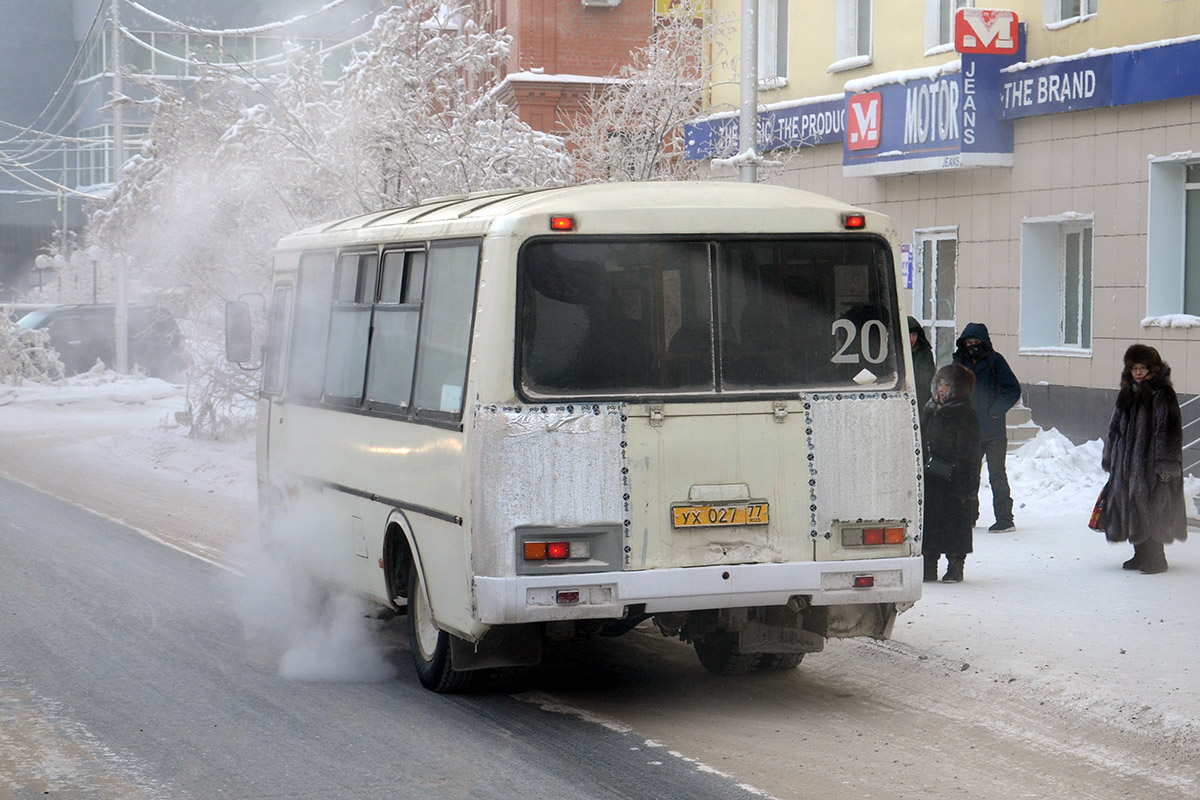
[{"x": 1048, "y": 189}]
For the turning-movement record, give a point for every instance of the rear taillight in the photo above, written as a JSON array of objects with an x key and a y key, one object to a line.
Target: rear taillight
[{"x": 875, "y": 536}]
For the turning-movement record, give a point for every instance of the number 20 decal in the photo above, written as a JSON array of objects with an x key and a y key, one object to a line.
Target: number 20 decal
[{"x": 873, "y": 343}]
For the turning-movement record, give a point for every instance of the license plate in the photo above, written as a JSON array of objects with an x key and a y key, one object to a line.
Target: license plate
[{"x": 712, "y": 516}]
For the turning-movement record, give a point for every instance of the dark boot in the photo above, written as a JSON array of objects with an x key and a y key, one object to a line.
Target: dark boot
[
  {"x": 954, "y": 572},
  {"x": 1154, "y": 560},
  {"x": 931, "y": 564},
  {"x": 1139, "y": 556}
]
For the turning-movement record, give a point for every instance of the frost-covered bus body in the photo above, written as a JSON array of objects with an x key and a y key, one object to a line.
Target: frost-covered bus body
[{"x": 564, "y": 411}]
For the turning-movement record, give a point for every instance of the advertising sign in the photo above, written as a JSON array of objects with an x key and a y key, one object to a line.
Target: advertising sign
[
  {"x": 864, "y": 119},
  {"x": 811, "y": 123},
  {"x": 989, "y": 31}
]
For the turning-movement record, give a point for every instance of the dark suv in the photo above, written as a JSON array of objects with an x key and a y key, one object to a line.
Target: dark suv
[{"x": 82, "y": 334}]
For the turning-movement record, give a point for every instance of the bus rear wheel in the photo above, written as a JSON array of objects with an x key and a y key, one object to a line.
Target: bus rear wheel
[
  {"x": 780, "y": 662},
  {"x": 430, "y": 645},
  {"x": 719, "y": 654}
]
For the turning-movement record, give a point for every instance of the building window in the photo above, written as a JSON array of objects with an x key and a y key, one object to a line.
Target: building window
[
  {"x": 772, "y": 42},
  {"x": 853, "y": 34},
  {"x": 1056, "y": 283},
  {"x": 1173, "y": 250},
  {"x": 1068, "y": 11},
  {"x": 939, "y": 23},
  {"x": 934, "y": 282},
  {"x": 94, "y": 153}
]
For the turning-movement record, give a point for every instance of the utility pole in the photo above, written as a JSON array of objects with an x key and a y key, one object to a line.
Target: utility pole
[
  {"x": 748, "y": 119},
  {"x": 121, "y": 314}
]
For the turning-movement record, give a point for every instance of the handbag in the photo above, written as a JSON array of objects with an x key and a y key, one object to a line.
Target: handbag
[
  {"x": 1099, "y": 519},
  {"x": 938, "y": 468}
]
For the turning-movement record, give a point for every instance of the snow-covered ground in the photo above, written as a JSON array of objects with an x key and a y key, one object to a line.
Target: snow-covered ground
[{"x": 1047, "y": 606}]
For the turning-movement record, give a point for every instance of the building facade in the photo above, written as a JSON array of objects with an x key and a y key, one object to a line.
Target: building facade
[
  {"x": 563, "y": 51},
  {"x": 58, "y": 70},
  {"x": 1048, "y": 187}
]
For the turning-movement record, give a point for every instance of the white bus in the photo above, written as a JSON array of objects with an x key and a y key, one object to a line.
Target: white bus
[{"x": 522, "y": 416}]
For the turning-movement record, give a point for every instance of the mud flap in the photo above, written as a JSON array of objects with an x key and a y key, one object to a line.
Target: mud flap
[
  {"x": 874, "y": 620},
  {"x": 759, "y": 638},
  {"x": 501, "y": 646}
]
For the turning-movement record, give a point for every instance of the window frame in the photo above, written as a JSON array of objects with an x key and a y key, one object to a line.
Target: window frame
[
  {"x": 849, "y": 19},
  {"x": 407, "y": 304},
  {"x": 279, "y": 337},
  {"x": 1043, "y": 301},
  {"x": 1167, "y": 237},
  {"x": 938, "y": 13},
  {"x": 1055, "y": 16},
  {"x": 773, "y": 50}
]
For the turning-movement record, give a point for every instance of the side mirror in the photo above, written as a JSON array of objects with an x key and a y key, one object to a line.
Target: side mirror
[{"x": 237, "y": 331}]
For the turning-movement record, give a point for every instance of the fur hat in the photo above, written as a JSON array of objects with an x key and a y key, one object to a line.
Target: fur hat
[
  {"x": 1145, "y": 355},
  {"x": 960, "y": 380}
]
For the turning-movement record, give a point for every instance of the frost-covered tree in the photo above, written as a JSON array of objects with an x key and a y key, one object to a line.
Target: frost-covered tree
[
  {"x": 26, "y": 355},
  {"x": 233, "y": 162},
  {"x": 632, "y": 127}
]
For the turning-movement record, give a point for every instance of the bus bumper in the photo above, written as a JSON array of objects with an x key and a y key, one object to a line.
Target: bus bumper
[{"x": 606, "y": 595}]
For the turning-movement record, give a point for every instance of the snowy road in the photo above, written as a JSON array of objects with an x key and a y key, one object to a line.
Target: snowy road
[
  {"x": 1050, "y": 673},
  {"x": 124, "y": 675}
]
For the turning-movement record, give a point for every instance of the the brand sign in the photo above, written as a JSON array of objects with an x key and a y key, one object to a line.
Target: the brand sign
[
  {"x": 864, "y": 119},
  {"x": 986, "y": 31}
]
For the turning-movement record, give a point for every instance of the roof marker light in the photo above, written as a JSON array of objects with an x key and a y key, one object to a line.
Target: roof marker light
[
  {"x": 562, "y": 223},
  {"x": 854, "y": 221}
]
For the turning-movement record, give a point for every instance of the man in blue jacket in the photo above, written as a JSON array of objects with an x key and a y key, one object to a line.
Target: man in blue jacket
[{"x": 996, "y": 391}]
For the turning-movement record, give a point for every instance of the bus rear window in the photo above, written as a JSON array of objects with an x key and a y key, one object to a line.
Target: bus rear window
[{"x": 644, "y": 318}]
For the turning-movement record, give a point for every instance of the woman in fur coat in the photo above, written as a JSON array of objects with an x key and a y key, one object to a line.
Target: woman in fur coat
[
  {"x": 950, "y": 439},
  {"x": 1143, "y": 455}
]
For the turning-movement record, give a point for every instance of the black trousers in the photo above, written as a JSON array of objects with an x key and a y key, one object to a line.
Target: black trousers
[{"x": 995, "y": 452}]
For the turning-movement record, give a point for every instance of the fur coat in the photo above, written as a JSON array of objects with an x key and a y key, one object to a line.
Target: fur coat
[
  {"x": 950, "y": 432},
  {"x": 1143, "y": 455}
]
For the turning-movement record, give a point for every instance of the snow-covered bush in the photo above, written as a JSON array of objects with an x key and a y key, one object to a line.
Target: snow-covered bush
[{"x": 26, "y": 355}]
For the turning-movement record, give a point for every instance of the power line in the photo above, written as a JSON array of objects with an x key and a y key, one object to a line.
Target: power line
[
  {"x": 233, "y": 31},
  {"x": 87, "y": 44}
]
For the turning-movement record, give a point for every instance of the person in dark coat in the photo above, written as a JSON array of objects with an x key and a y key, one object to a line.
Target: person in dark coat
[
  {"x": 922, "y": 357},
  {"x": 996, "y": 391},
  {"x": 950, "y": 441},
  {"x": 1143, "y": 455}
]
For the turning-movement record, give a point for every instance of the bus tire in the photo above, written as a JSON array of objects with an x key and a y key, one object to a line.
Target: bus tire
[
  {"x": 719, "y": 654},
  {"x": 780, "y": 662},
  {"x": 430, "y": 646}
]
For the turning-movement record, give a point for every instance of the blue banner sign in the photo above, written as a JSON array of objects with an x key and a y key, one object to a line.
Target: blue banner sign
[
  {"x": 1157, "y": 72},
  {"x": 820, "y": 122},
  {"x": 938, "y": 122}
]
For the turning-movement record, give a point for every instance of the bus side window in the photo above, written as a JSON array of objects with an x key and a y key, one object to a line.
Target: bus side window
[
  {"x": 281, "y": 307},
  {"x": 350, "y": 328},
  {"x": 447, "y": 311},
  {"x": 394, "y": 342},
  {"x": 310, "y": 326}
]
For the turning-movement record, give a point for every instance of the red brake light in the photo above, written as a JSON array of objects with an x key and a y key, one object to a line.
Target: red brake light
[
  {"x": 562, "y": 223},
  {"x": 864, "y": 581},
  {"x": 557, "y": 550},
  {"x": 854, "y": 221},
  {"x": 873, "y": 536}
]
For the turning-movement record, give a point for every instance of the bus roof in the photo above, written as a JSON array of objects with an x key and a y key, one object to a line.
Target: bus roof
[{"x": 624, "y": 207}]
